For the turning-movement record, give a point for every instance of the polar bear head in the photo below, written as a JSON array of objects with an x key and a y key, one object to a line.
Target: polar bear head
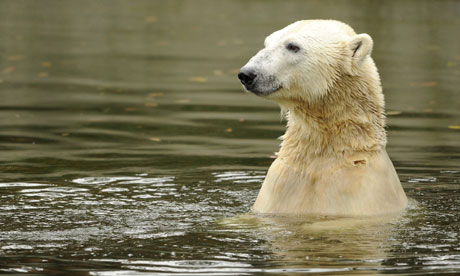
[{"x": 305, "y": 59}]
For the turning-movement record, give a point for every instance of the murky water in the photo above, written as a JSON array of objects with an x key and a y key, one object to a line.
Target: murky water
[{"x": 129, "y": 148}]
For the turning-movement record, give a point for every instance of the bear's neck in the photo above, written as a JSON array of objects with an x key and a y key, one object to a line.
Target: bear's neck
[{"x": 348, "y": 119}]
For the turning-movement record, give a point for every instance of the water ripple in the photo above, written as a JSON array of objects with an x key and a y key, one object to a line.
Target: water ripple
[
  {"x": 240, "y": 176},
  {"x": 122, "y": 180},
  {"x": 23, "y": 184}
]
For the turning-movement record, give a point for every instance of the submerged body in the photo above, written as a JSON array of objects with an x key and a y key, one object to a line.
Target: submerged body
[
  {"x": 332, "y": 159},
  {"x": 332, "y": 186}
]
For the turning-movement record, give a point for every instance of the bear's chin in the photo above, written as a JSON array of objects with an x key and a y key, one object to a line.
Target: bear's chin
[{"x": 263, "y": 92}]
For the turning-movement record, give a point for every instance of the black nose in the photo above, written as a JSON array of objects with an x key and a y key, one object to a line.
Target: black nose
[{"x": 247, "y": 77}]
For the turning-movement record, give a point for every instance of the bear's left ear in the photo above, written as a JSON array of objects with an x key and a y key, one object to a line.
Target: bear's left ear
[{"x": 360, "y": 47}]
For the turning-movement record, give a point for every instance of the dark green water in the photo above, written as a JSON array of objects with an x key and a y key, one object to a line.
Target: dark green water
[{"x": 128, "y": 146}]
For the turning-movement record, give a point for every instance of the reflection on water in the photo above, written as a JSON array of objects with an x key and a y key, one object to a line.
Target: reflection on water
[{"x": 128, "y": 146}]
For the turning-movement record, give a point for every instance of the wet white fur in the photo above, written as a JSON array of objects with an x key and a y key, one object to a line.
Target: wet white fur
[{"x": 332, "y": 159}]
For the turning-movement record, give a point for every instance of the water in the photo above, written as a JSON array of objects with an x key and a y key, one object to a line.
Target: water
[{"x": 129, "y": 148}]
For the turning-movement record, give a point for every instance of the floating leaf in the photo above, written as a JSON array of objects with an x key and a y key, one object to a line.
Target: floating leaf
[
  {"x": 392, "y": 113},
  {"x": 228, "y": 130},
  {"x": 151, "y": 104},
  {"x": 182, "y": 101},
  {"x": 218, "y": 73},
  {"x": 46, "y": 64},
  {"x": 151, "y": 19},
  {"x": 16, "y": 58},
  {"x": 454, "y": 127},
  {"x": 234, "y": 71},
  {"x": 198, "y": 79},
  {"x": 242, "y": 120},
  {"x": 237, "y": 41},
  {"x": 221, "y": 43},
  {"x": 155, "y": 139},
  {"x": 9, "y": 70},
  {"x": 154, "y": 95},
  {"x": 43, "y": 74},
  {"x": 164, "y": 43},
  {"x": 130, "y": 109},
  {"x": 424, "y": 84}
]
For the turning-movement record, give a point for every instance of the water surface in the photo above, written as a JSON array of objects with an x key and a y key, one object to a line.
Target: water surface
[{"x": 128, "y": 146}]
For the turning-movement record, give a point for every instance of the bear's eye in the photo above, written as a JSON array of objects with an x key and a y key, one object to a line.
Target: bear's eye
[{"x": 293, "y": 48}]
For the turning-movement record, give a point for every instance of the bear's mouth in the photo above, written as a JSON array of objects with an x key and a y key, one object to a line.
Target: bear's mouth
[{"x": 262, "y": 92}]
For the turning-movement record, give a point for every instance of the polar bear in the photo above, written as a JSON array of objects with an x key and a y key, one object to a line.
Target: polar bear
[{"x": 332, "y": 159}]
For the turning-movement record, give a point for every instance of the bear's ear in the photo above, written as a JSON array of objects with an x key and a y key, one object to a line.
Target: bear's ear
[{"x": 360, "y": 47}]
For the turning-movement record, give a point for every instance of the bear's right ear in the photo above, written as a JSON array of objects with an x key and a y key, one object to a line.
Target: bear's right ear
[{"x": 360, "y": 46}]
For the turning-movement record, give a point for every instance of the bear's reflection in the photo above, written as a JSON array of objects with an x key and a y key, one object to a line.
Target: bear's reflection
[{"x": 332, "y": 243}]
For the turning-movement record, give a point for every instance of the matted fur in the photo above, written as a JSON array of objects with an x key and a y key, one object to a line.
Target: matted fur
[{"x": 332, "y": 159}]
